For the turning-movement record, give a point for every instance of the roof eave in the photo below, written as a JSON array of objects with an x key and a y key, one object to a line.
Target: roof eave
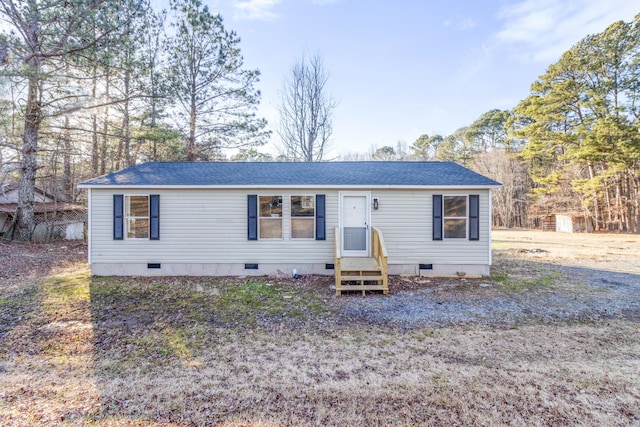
[{"x": 273, "y": 186}]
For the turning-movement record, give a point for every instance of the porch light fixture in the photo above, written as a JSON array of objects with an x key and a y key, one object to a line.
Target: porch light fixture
[{"x": 375, "y": 204}]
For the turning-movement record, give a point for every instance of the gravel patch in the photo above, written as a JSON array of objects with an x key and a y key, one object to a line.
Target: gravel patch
[
  {"x": 599, "y": 295},
  {"x": 611, "y": 289}
]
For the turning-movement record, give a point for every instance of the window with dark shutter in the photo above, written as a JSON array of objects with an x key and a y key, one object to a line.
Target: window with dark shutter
[
  {"x": 320, "y": 217},
  {"x": 437, "y": 216},
  {"x": 136, "y": 217},
  {"x": 474, "y": 217},
  {"x": 252, "y": 217},
  {"x": 154, "y": 217},
  {"x": 455, "y": 217},
  {"x": 118, "y": 219}
]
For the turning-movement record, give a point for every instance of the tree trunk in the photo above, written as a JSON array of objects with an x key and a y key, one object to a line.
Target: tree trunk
[
  {"x": 119, "y": 155},
  {"x": 154, "y": 124},
  {"x": 636, "y": 189},
  {"x": 596, "y": 207},
  {"x": 24, "y": 218},
  {"x": 619, "y": 209},
  {"x": 105, "y": 127},
  {"x": 94, "y": 125},
  {"x": 68, "y": 179},
  {"x": 608, "y": 204},
  {"x": 628, "y": 198},
  {"x": 191, "y": 143},
  {"x": 119, "y": 152},
  {"x": 125, "y": 120}
]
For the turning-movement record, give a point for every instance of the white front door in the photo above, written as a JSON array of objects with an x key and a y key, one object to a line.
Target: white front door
[{"x": 355, "y": 217}]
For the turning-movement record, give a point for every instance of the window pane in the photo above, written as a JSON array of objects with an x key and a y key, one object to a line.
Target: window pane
[
  {"x": 302, "y": 206},
  {"x": 302, "y": 228},
  {"x": 270, "y": 228},
  {"x": 138, "y": 206},
  {"x": 355, "y": 238},
  {"x": 455, "y": 228},
  {"x": 138, "y": 228},
  {"x": 455, "y": 206},
  {"x": 270, "y": 206}
]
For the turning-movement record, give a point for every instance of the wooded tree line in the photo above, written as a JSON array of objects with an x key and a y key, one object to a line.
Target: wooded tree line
[
  {"x": 573, "y": 145},
  {"x": 92, "y": 86},
  {"x": 581, "y": 127},
  {"x": 89, "y": 87}
]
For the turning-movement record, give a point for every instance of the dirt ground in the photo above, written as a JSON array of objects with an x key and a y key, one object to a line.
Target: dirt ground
[
  {"x": 551, "y": 338},
  {"x": 602, "y": 253},
  {"x": 597, "y": 251},
  {"x": 24, "y": 263}
]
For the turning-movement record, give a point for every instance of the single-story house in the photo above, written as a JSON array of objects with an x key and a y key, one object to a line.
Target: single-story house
[
  {"x": 249, "y": 218},
  {"x": 53, "y": 219}
]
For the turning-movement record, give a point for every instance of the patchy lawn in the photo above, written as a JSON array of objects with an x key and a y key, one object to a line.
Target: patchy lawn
[{"x": 76, "y": 350}]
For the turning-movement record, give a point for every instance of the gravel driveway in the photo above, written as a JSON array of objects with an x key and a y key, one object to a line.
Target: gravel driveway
[{"x": 602, "y": 295}]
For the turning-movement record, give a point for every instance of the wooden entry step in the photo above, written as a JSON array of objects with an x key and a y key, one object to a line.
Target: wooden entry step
[
  {"x": 355, "y": 277},
  {"x": 362, "y": 274}
]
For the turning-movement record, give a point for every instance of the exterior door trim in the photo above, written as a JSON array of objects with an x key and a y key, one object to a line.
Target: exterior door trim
[{"x": 351, "y": 253}]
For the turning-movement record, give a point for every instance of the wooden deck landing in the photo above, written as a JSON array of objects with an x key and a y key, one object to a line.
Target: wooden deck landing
[
  {"x": 359, "y": 264},
  {"x": 362, "y": 274}
]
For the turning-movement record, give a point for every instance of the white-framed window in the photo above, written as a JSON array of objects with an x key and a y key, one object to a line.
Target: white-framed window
[
  {"x": 270, "y": 217},
  {"x": 454, "y": 218},
  {"x": 136, "y": 217},
  {"x": 303, "y": 214}
]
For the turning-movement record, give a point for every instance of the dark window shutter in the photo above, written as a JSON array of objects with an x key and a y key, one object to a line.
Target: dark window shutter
[
  {"x": 252, "y": 213},
  {"x": 474, "y": 217},
  {"x": 320, "y": 217},
  {"x": 437, "y": 217},
  {"x": 118, "y": 219},
  {"x": 154, "y": 217}
]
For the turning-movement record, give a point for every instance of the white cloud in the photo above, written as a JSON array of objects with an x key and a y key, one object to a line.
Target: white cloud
[
  {"x": 261, "y": 10},
  {"x": 466, "y": 24},
  {"x": 462, "y": 25},
  {"x": 541, "y": 30}
]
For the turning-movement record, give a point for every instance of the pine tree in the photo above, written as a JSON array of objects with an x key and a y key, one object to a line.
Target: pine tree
[{"x": 216, "y": 95}]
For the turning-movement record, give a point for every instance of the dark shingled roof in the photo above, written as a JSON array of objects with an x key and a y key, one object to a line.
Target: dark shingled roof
[{"x": 232, "y": 174}]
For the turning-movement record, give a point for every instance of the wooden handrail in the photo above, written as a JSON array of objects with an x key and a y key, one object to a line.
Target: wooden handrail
[
  {"x": 379, "y": 252},
  {"x": 379, "y": 248},
  {"x": 337, "y": 268}
]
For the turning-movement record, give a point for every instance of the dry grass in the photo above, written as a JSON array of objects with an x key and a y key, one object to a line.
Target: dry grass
[
  {"x": 609, "y": 252},
  {"x": 86, "y": 351}
]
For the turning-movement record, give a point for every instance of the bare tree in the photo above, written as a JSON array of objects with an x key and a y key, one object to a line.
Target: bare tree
[
  {"x": 355, "y": 156},
  {"x": 510, "y": 201},
  {"x": 305, "y": 112}
]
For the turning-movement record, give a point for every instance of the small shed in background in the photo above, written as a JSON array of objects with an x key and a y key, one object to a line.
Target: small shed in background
[
  {"x": 54, "y": 220},
  {"x": 568, "y": 222}
]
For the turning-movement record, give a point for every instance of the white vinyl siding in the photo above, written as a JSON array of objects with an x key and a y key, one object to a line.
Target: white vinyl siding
[
  {"x": 405, "y": 218},
  {"x": 210, "y": 226},
  {"x": 206, "y": 226}
]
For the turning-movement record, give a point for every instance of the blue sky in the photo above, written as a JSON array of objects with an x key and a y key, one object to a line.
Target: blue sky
[{"x": 403, "y": 68}]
